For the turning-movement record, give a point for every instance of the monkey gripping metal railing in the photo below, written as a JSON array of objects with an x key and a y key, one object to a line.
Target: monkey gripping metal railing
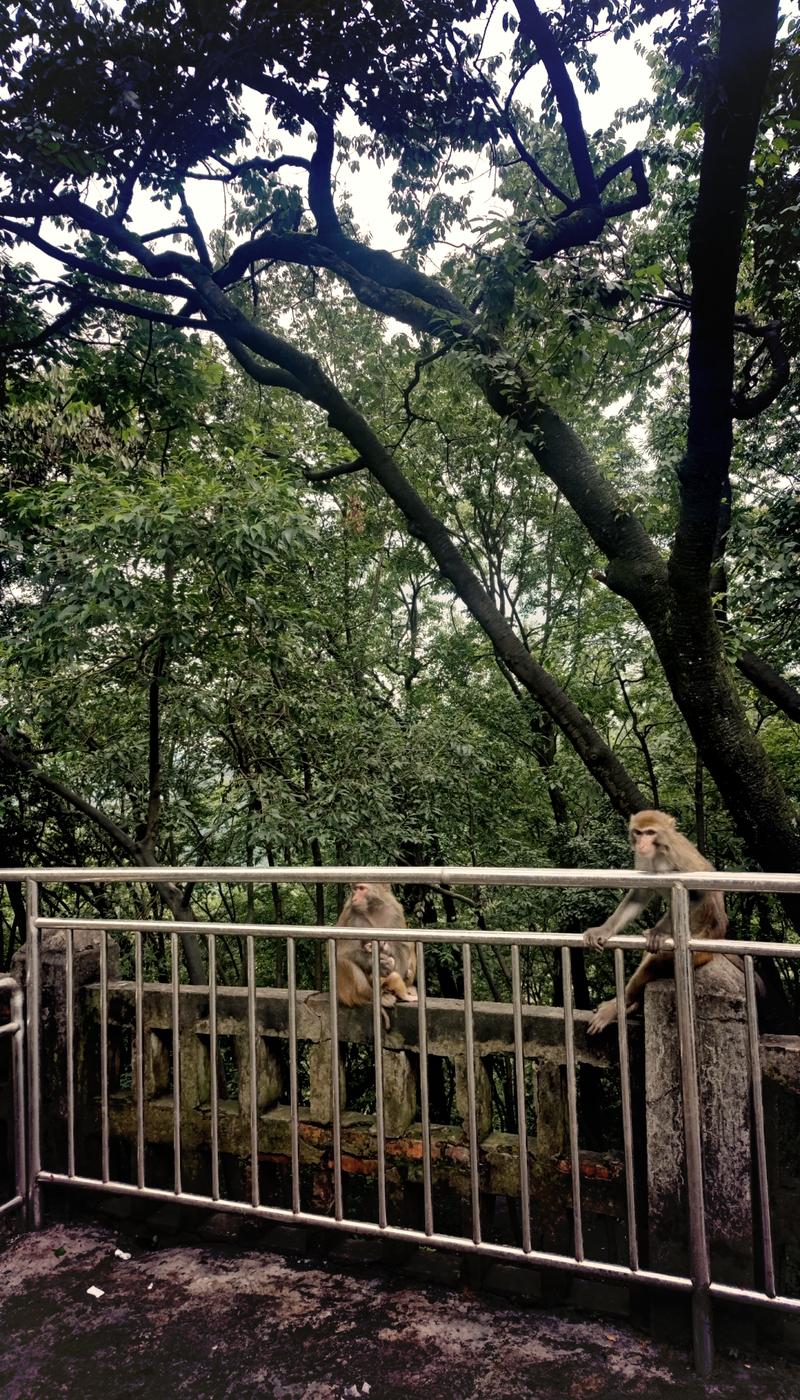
[{"x": 697, "y": 1282}]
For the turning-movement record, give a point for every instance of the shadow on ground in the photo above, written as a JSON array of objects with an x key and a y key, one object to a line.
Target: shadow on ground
[{"x": 216, "y": 1322}]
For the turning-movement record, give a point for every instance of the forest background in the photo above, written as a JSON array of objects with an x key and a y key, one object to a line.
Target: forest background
[{"x": 457, "y": 554}]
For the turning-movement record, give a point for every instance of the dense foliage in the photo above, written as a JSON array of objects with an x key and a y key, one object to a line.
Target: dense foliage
[{"x": 436, "y": 557}]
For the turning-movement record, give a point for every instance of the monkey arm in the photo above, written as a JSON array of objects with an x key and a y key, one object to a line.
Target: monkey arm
[
  {"x": 631, "y": 907},
  {"x": 386, "y": 960},
  {"x": 361, "y": 956}
]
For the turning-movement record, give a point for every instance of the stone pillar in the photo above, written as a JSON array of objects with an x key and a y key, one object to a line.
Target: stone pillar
[
  {"x": 551, "y": 1110},
  {"x": 399, "y": 1092},
  {"x": 483, "y": 1095},
  {"x": 319, "y": 1072},
  {"x": 269, "y": 1075},
  {"x": 724, "y": 1072}
]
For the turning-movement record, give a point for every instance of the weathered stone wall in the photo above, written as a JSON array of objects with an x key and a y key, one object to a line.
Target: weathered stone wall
[{"x": 543, "y": 1048}]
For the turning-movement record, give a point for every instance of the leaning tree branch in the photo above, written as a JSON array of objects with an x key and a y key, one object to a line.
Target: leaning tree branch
[
  {"x": 503, "y": 110},
  {"x": 133, "y": 308},
  {"x": 235, "y": 169},
  {"x": 330, "y": 473},
  {"x": 315, "y": 386},
  {"x": 771, "y": 684},
  {"x": 90, "y": 266},
  {"x": 60, "y": 325},
  {"x": 116, "y": 833},
  {"x": 119, "y": 837}
]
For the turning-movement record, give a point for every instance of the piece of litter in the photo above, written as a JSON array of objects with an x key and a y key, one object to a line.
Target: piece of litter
[
  {"x": 61, "y": 1251},
  {"x": 120, "y": 1254},
  {"x": 96, "y": 1292},
  {"x": 149, "y": 1286}
]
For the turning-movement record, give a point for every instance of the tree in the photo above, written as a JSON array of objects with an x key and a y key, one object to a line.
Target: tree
[{"x": 104, "y": 105}]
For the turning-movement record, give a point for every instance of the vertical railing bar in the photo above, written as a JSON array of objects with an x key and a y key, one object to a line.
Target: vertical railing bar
[
  {"x": 472, "y": 1114},
  {"x": 255, "y": 1193},
  {"x": 176, "y": 1062},
  {"x": 522, "y": 1118},
  {"x": 336, "y": 1109},
  {"x": 106, "y": 1174},
  {"x": 213, "y": 1061},
  {"x": 294, "y": 1112},
  {"x": 572, "y": 1104},
  {"x": 18, "y": 1071},
  {"x": 758, "y": 1125},
  {"x": 627, "y": 1115},
  {"x": 33, "y": 1015},
  {"x": 69, "y": 973},
  {"x": 377, "y": 1035},
  {"x": 425, "y": 1109},
  {"x": 699, "y": 1266},
  {"x": 138, "y": 995}
]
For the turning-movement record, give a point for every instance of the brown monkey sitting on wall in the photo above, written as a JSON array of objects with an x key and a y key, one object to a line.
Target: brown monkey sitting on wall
[
  {"x": 374, "y": 906},
  {"x": 658, "y": 847}
]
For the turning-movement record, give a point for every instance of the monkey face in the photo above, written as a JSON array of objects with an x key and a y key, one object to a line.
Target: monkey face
[
  {"x": 365, "y": 899},
  {"x": 651, "y": 836},
  {"x": 360, "y": 898},
  {"x": 645, "y": 843}
]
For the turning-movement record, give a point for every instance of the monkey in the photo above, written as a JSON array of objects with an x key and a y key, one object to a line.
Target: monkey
[
  {"x": 374, "y": 906},
  {"x": 659, "y": 847}
]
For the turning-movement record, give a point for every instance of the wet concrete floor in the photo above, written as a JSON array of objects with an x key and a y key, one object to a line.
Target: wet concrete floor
[{"x": 226, "y": 1320}]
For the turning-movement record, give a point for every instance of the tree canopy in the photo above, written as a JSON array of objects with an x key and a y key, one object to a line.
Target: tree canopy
[{"x": 404, "y": 549}]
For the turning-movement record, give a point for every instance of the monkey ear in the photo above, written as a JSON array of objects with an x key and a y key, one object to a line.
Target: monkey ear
[{"x": 670, "y": 822}]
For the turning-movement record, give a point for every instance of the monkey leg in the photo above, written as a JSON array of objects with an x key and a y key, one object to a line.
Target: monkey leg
[
  {"x": 700, "y": 959},
  {"x": 653, "y": 965},
  {"x": 395, "y": 984},
  {"x": 353, "y": 986}
]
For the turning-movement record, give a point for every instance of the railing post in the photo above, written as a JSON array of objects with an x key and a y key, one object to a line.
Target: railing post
[
  {"x": 702, "y": 1329},
  {"x": 33, "y": 994}
]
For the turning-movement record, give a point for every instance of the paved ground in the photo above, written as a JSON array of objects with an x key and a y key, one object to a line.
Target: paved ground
[{"x": 222, "y": 1321}]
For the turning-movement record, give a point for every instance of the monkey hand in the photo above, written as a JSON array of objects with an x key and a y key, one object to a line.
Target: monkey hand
[
  {"x": 654, "y": 939},
  {"x": 387, "y": 964},
  {"x": 596, "y": 937},
  {"x": 388, "y": 998}
]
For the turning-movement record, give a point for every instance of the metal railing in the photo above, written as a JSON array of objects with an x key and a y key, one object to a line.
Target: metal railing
[
  {"x": 696, "y": 1282},
  {"x": 15, "y": 1028}
]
